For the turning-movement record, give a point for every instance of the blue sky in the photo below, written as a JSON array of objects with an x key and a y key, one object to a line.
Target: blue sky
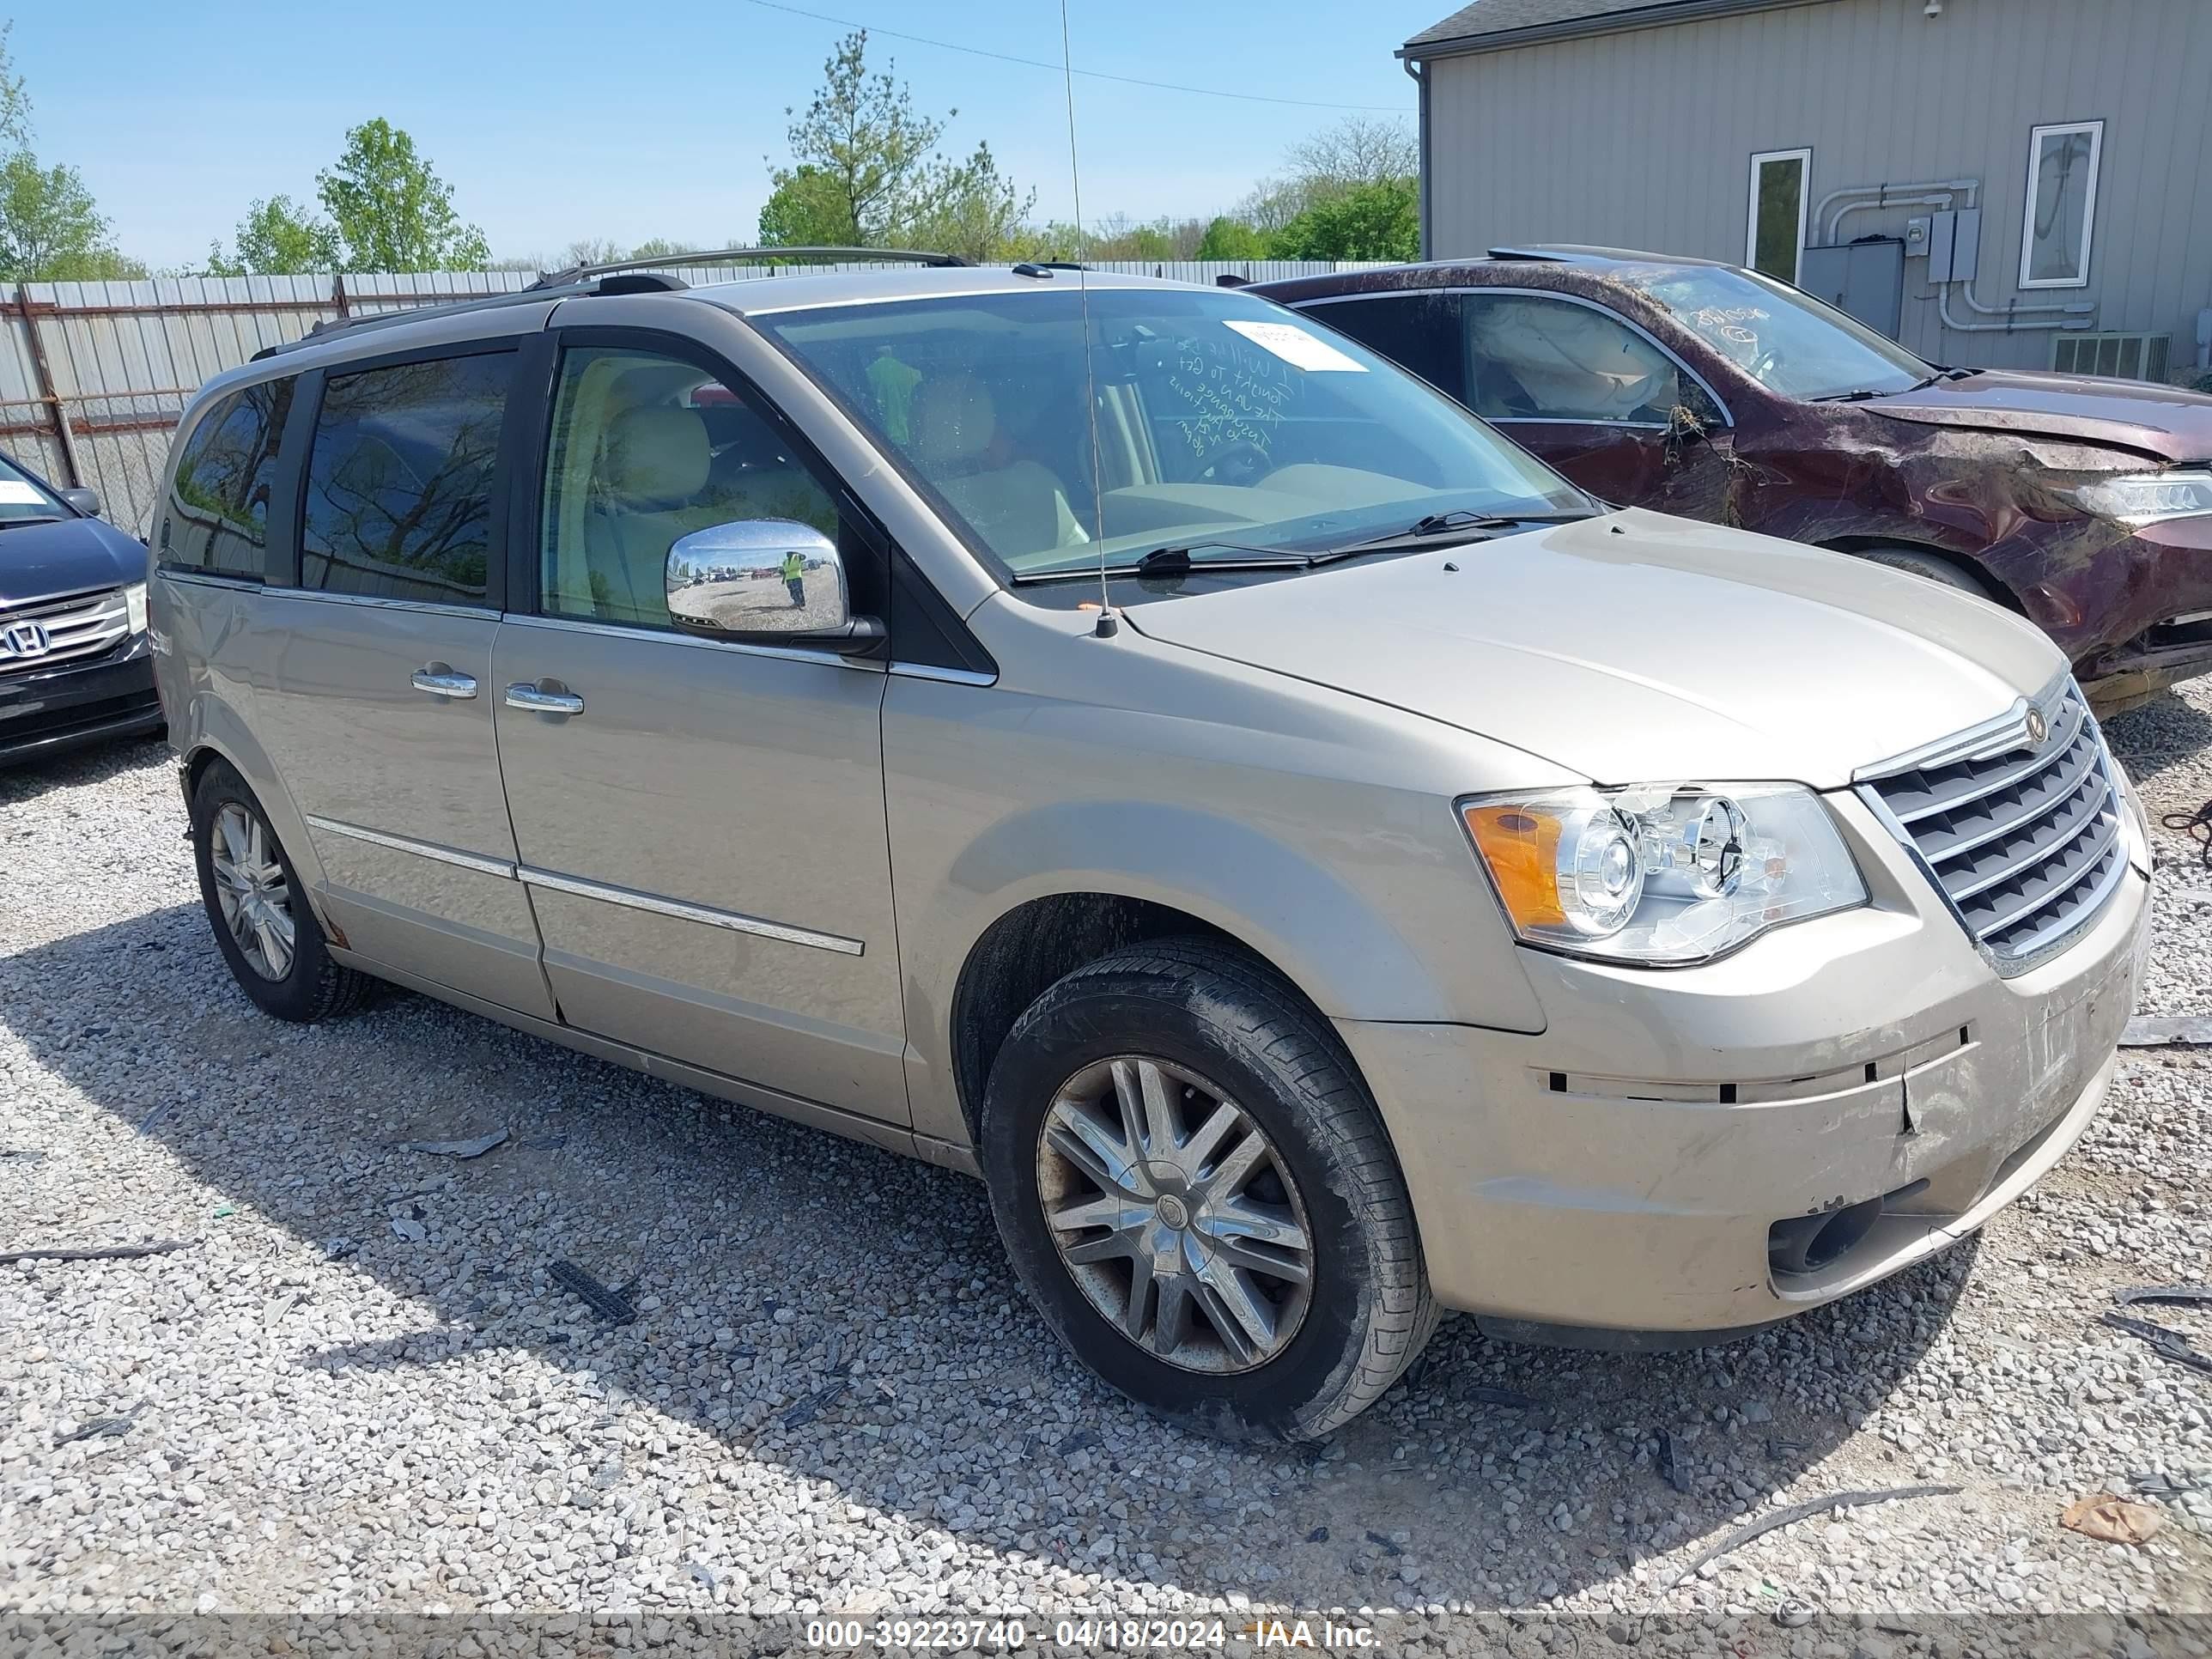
[{"x": 558, "y": 120}]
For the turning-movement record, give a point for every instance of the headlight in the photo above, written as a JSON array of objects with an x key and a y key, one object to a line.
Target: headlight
[
  {"x": 1661, "y": 874},
  {"x": 2148, "y": 497},
  {"x": 134, "y": 602}
]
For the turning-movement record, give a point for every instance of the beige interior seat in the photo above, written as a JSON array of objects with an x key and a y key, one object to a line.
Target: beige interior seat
[
  {"x": 1016, "y": 506},
  {"x": 651, "y": 489}
]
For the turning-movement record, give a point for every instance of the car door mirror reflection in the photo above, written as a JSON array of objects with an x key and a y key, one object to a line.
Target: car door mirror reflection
[{"x": 756, "y": 577}]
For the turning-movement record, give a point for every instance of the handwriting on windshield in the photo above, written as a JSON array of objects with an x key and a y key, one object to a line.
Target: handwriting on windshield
[{"x": 1230, "y": 395}]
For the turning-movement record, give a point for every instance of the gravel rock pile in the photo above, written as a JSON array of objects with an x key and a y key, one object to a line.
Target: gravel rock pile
[{"x": 356, "y": 1388}]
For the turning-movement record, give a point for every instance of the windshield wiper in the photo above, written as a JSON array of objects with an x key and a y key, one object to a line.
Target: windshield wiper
[
  {"x": 1862, "y": 393},
  {"x": 1457, "y": 525},
  {"x": 1176, "y": 560}
]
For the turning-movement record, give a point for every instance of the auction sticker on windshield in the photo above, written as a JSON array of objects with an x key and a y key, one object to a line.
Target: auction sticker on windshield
[
  {"x": 1294, "y": 346},
  {"x": 15, "y": 493}
]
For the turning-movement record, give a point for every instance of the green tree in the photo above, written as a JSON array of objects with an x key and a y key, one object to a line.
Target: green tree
[
  {"x": 391, "y": 210},
  {"x": 1367, "y": 221},
  {"x": 809, "y": 208},
  {"x": 277, "y": 237},
  {"x": 865, "y": 171},
  {"x": 49, "y": 230},
  {"x": 1360, "y": 150},
  {"x": 982, "y": 216},
  {"x": 1231, "y": 239},
  {"x": 15, "y": 101}
]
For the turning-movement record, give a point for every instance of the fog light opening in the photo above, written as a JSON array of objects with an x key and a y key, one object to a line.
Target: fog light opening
[{"x": 1807, "y": 1243}]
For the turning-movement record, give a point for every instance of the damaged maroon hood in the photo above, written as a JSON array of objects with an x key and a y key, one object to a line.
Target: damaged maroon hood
[{"x": 2161, "y": 421}]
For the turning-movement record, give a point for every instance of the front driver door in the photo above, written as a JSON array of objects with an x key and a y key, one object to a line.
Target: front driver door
[
  {"x": 1597, "y": 398},
  {"x": 700, "y": 824}
]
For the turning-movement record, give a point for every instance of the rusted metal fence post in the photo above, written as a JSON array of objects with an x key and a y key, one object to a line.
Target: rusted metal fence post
[{"x": 49, "y": 394}]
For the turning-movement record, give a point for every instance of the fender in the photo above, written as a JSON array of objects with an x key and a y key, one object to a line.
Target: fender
[{"x": 1330, "y": 940}]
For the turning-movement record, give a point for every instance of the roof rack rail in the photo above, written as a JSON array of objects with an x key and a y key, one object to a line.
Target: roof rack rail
[
  {"x": 376, "y": 320},
  {"x": 645, "y": 276},
  {"x": 766, "y": 255},
  {"x": 1564, "y": 252}
]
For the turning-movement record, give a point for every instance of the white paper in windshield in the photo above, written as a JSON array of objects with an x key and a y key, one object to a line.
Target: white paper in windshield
[
  {"x": 1297, "y": 348},
  {"x": 14, "y": 492}
]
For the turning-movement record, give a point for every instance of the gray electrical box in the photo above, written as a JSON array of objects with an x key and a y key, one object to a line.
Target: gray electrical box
[
  {"x": 1954, "y": 241},
  {"x": 1865, "y": 279}
]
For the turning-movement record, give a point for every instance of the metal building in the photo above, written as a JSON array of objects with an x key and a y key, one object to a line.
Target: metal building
[{"x": 2004, "y": 183}]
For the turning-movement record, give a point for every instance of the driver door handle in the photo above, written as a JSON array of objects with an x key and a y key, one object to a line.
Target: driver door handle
[
  {"x": 524, "y": 695},
  {"x": 441, "y": 681}
]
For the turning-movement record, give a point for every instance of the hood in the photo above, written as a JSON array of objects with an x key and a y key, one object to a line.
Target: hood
[
  {"x": 2161, "y": 421},
  {"x": 68, "y": 555},
  {"x": 1637, "y": 647}
]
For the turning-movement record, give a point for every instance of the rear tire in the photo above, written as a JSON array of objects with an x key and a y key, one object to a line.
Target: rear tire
[
  {"x": 262, "y": 925},
  {"x": 1258, "y": 1196}
]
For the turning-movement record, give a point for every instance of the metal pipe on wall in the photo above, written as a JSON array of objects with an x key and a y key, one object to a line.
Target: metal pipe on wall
[
  {"x": 2076, "y": 316},
  {"x": 1961, "y": 186}
]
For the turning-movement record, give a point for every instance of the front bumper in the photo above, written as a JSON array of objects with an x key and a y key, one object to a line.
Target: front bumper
[
  {"x": 2160, "y": 609},
  {"x": 43, "y": 712},
  {"x": 1631, "y": 1169}
]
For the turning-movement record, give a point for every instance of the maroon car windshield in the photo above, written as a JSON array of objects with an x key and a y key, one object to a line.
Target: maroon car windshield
[{"x": 1786, "y": 340}]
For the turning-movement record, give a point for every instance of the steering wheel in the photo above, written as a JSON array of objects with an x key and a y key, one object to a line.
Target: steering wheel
[
  {"x": 1770, "y": 358},
  {"x": 1236, "y": 462}
]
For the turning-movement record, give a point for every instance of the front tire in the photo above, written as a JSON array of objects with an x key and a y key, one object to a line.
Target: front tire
[
  {"x": 262, "y": 925},
  {"x": 1198, "y": 1194},
  {"x": 1933, "y": 566}
]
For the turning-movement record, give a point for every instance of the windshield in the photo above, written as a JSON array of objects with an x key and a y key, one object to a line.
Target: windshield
[
  {"x": 23, "y": 500},
  {"x": 1782, "y": 339},
  {"x": 1219, "y": 417}
]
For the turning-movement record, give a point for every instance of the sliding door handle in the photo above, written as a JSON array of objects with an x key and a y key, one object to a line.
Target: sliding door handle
[
  {"x": 441, "y": 681},
  {"x": 538, "y": 701}
]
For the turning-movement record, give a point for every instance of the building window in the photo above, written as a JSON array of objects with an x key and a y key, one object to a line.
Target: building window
[
  {"x": 2062, "y": 204},
  {"x": 1776, "y": 234}
]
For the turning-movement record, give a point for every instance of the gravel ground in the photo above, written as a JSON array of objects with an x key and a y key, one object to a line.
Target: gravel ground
[{"x": 358, "y": 1391}]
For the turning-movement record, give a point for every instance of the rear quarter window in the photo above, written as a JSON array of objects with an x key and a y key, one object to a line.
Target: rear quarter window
[
  {"x": 398, "y": 489},
  {"x": 218, "y": 516},
  {"x": 1416, "y": 329}
]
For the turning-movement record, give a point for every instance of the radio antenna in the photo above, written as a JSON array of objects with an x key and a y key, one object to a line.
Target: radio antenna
[{"x": 1108, "y": 624}]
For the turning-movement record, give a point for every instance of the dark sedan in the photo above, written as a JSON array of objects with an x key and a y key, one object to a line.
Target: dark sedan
[
  {"x": 75, "y": 664},
  {"x": 1719, "y": 393}
]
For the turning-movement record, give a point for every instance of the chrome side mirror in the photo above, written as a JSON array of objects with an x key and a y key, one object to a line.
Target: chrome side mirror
[{"x": 774, "y": 580}]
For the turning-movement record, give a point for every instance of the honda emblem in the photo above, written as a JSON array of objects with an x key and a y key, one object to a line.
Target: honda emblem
[{"x": 27, "y": 639}]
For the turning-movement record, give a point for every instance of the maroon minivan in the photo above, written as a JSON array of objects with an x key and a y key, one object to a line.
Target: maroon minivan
[{"x": 1716, "y": 392}]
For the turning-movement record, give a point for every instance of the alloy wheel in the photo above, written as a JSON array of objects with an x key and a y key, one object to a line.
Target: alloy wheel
[
  {"x": 251, "y": 890},
  {"x": 1174, "y": 1214}
]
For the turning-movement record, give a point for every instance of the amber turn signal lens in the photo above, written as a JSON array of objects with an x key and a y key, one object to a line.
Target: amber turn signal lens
[{"x": 1522, "y": 848}]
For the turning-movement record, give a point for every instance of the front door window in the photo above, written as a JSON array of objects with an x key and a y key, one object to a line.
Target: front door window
[
  {"x": 1530, "y": 358},
  {"x": 645, "y": 449}
]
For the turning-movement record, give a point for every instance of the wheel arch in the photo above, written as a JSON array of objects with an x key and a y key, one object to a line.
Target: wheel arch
[
  {"x": 235, "y": 746},
  {"x": 1038, "y": 942},
  {"x": 1991, "y": 587},
  {"x": 1044, "y": 891}
]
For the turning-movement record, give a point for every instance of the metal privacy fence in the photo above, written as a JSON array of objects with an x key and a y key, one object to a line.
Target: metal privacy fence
[{"x": 94, "y": 375}]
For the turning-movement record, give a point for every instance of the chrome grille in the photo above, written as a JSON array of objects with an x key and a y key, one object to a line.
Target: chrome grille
[
  {"x": 79, "y": 626},
  {"x": 2023, "y": 837}
]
